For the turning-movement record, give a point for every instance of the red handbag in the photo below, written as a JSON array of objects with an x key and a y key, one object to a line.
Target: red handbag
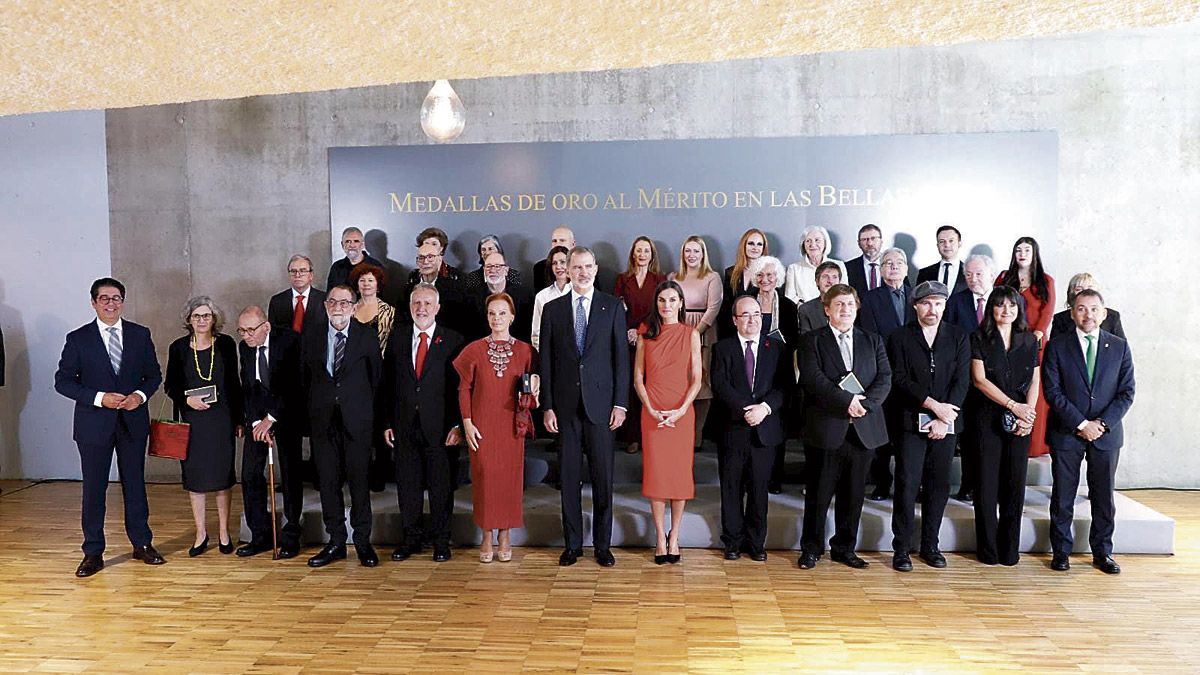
[{"x": 169, "y": 439}]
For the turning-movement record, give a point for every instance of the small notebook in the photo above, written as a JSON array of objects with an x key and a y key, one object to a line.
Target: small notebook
[
  {"x": 207, "y": 394},
  {"x": 925, "y": 419},
  {"x": 851, "y": 384}
]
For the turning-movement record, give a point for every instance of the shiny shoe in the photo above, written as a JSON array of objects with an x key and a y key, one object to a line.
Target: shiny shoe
[
  {"x": 1107, "y": 565},
  {"x": 849, "y": 560},
  {"x": 225, "y": 549},
  {"x": 933, "y": 558},
  {"x": 569, "y": 557},
  {"x": 879, "y": 495},
  {"x": 486, "y": 556},
  {"x": 89, "y": 566},
  {"x": 1060, "y": 563},
  {"x": 441, "y": 553},
  {"x": 247, "y": 550},
  {"x": 901, "y": 562},
  {"x": 758, "y": 555},
  {"x": 197, "y": 550},
  {"x": 605, "y": 558},
  {"x": 808, "y": 561},
  {"x": 367, "y": 557},
  {"x": 288, "y": 551},
  {"x": 330, "y": 553},
  {"x": 774, "y": 488},
  {"x": 732, "y": 554},
  {"x": 405, "y": 551},
  {"x": 148, "y": 555},
  {"x": 503, "y": 555}
]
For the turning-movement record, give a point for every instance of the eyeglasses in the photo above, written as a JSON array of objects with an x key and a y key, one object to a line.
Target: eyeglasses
[
  {"x": 300, "y": 273},
  {"x": 748, "y": 315},
  {"x": 339, "y": 304},
  {"x": 203, "y": 317},
  {"x": 105, "y": 299},
  {"x": 494, "y": 268},
  {"x": 428, "y": 258},
  {"x": 247, "y": 331}
]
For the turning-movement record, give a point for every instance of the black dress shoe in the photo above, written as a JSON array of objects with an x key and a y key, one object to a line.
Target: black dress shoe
[
  {"x": 148, "y": 555},
  {"x": 757, "y": 555},
  {"x": 774, "y": 488},
  {"x": 288, "y": 551},
  {"x": 441, "y": 553},
  {"x": 225, "y": 549},
  {"x": 605, "y": 558},
  {"x": 247, "y": 550},
  {"x": 403, "y": 552},
  {"x": 1060, "y": 563},
  {"x": 366, "y": 555},
  {"x": 197, "y": 550},
  {"x": 89, "y": 566},
  {"x": 808, "y": 560},
  {"x": 569, "y": 557},
  {"x": 661, "y": 559},
  {"x": 878, "y": 495},
  {"x": 934, "y": 558},
  {"x": 965, "y": 496},
  {"x": 732, "y": 554},
  {"x": 901, "y": 562},
  {"x": 327, "y": 555},
  {"x": 1107, "y": 565},
  {"x": 849, "y": 560}
]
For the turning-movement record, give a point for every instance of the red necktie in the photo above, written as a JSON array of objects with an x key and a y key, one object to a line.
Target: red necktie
[
  {"x": 979, "y": 310},
  {"x": 874, "y": 277},
  {"x": 298, "y": 315},
  {"x": 422, "y": 351}
]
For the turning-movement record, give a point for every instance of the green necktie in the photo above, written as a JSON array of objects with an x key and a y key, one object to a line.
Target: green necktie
[{"x": 1090, "y": 359}]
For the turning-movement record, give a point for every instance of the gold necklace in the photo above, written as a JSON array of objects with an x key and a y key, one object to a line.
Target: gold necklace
[{"x": 212, "y": 359}]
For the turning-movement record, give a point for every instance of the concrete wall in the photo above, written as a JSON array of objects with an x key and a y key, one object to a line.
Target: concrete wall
[
  {"x": 212, "y": 196},
  {"x": 54, "y": 225}
]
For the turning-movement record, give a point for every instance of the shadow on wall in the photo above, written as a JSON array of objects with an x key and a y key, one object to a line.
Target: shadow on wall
[
  {"x": 15, "y": 392},
  {"x": 397, "y": 276}
]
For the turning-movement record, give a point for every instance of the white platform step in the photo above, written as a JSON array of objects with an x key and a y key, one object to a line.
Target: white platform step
[{"x": 1139, "y": 529}]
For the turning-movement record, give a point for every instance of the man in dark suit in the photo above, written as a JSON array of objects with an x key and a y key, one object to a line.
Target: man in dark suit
[
  {"x": 930, "y": 362},
  {"x": 270, "y": 369},
  {"x": 353, "y": 245},
  {"x": 561, "y": 236},
  {"x": 109, "y": 368},
  {"x": 434, "y": 236},
  {"x": 949, "y": 269},
  {"x": 883, "y": 311},
  {"x": 1088, "y": 378},
  {"x": 750, "y": 374},
  {"x": 811, "y": 315},
  {"x": 433, "y": 271},
  {"x": 583, "y": 341},
  {"x": 863, "y": 273},
  {"x": 495, "y": 280},
  {"x": 840, "y": 427},
  {"x": 340, "y": 370},
  {"x": 301, "y": 306},
  {"x": 421, "y": 395}
]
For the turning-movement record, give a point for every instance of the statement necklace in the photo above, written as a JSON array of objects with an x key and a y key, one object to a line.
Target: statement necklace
[
  {"x": 500, "y": 353},
  {"x": 212, "y": 359}
]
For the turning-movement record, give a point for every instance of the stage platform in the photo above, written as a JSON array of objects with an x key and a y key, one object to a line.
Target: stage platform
[{"x": 1139, "y": 529}]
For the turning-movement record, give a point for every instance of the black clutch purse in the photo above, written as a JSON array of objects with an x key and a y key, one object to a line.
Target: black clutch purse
[{"x": 1009, "y": 422}]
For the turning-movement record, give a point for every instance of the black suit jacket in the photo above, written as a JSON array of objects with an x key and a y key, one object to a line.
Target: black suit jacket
[
  {"x": 179, "y": 357},
  {"x": 960, "y": 309},
  {"x": 934, "y": 273},
  {"x": 772, "y": 379},
  {"x": 282, "y": 309},
  {"x": 600, "y": 378},
  {"x": 811, "y": 316},
  {"x": 456, "y": 309},
  {"x": 282, "y": 398},
  {"x": 431, "y": 402},
  {"x": 85, "y": 369},
  {"x": 1072, "y": 400},
  {"x": 912, "y": 379},
  {"x": 787, "y": 322},
  {"x": 725, "y": 327},
  {"x": 857, "y": 278},
  {"x": 878, "y": 315},
  {"x": 353, "y": 390},
  {"x": 826, "y": 420},
  {"x": 1063, "y": 324},
  {"x": 339, "y": 271}
]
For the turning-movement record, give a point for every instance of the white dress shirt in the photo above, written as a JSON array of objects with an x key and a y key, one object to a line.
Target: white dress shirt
[
  {"x": 755, "y": 341},
  {"x": 551, "y": 292},
  {"x": 951, "y": 274},
  {"x": 105, "y": 336},
  {"x": 416, "y": 340}
]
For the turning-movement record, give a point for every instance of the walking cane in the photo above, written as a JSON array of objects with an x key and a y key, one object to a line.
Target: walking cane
[{"x": 271, "y": 478}]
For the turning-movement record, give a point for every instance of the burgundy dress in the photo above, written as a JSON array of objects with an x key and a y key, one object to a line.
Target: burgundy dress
[
  {"x": 1038, "y": 315},
  {"x": 668, "y": 452},
  {"x": 639, "y": 302},
  {"x": 498, "y": 468}
]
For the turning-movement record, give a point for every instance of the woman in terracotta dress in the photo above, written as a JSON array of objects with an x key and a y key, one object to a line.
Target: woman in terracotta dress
[
  {"x": 490, "y": 371},
  {"x": 666, "y": 376},
  {"x": 1026, "y": 274},
  {"x": 635, "y": 287}
]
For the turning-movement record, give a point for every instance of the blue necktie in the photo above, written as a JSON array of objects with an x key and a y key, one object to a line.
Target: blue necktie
[{"x": 580, "y": 325}]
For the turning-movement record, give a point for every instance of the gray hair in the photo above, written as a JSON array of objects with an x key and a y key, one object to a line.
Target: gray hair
[
  {"x": 200, "y": 301},
  {"x": 987, "y": 262},
  {"x": 886, "y": 251},
  {"x": 255, "y": 311},
  {"x": 580, "y": 250},
  {"x": 348, "y": 230},
  {"x": 485, "y": 239},
  {"x": 300, "y": 256},
  {"x": 760, "y": 264},
  {"x": 428, "y": 288},
  {"x": 824, "y": 234}
]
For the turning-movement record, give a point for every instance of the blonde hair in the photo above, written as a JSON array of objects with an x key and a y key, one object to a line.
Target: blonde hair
[{"x": 704, "y": 268}]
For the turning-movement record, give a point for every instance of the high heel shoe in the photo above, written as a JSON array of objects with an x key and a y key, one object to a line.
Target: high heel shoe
[
  {"x": 504, "y": 556},
  {"x": 485, "y": 556},
  {"x": 197, "y": 550},
  {"x": 672, "y": 558},
  {"x": 225, "y": 549}
]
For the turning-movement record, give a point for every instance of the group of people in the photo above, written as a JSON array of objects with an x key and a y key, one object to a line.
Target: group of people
[{"x": 851, "y": 356}]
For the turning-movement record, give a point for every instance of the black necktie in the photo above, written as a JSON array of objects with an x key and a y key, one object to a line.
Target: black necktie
[
  {"x": 264, "y": 373},
  {"x": 946, "y": 274},
  {"x": 339, "y": 352}
]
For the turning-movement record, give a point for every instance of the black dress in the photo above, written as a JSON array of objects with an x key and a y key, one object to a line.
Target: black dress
[{"x": 211, "y": 446}]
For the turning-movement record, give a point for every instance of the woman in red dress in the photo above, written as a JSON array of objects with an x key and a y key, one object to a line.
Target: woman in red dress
[
  {"x": 667, "y": 376},
  {"x": 490, "y": 371},
  {"x": 635, "y": 287},
  {"x": 1026, "y": 274}
]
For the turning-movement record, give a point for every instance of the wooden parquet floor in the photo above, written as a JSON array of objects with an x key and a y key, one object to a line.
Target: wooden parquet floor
[{"x": 223, "y": 614}]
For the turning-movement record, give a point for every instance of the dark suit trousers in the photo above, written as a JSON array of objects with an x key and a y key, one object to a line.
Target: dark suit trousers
[
  {"x": 256, "y": 496},
  {"x": 921, "y": 462},
  {"x": 1003, "y": 461},
  {"x": 844, "y": 474},
  {"x": 968, "y": 445},
  {"x": 419, "y": 465},
  {"x": 745, "y": 469},
  {"x": 580, "y": 437},
  {"x": 881, "y": 467},
  {"x": 95, "y": 462},
  {"x": 1101, "y": 471},
  {"x": 343, "y": 458}
]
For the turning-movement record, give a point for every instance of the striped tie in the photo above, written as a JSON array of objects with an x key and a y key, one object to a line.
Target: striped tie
[
  {"x": 114, "y": 348},
  {"x": 339, "y": 352}
]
